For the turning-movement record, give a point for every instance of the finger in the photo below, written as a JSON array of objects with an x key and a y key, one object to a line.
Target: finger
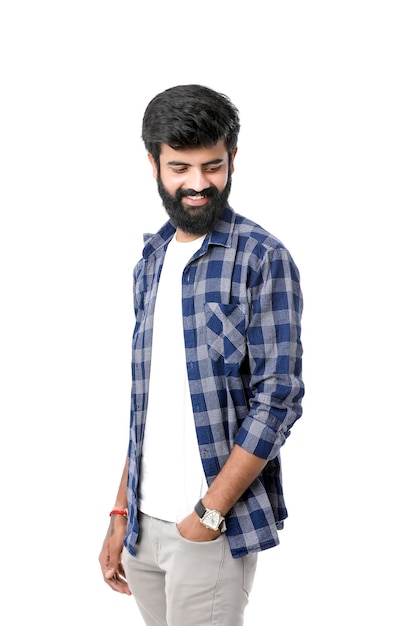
[
  {"x": 109, "y": 573},
  {"x": 122, "y": 571},
  {"x": 119, "y": 584}
]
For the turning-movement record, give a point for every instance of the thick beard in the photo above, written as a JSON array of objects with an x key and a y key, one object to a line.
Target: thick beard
[{"x": 203, "y": 220}]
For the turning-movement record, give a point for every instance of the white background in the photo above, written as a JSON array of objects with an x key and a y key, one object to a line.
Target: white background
[{"x": 327, "y": 161}]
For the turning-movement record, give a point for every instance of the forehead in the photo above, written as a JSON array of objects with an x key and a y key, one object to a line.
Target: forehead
[{"x": 193, "y": 156}]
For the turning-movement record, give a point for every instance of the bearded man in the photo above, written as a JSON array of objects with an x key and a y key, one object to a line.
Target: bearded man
[{"x": 217, "y": 381}]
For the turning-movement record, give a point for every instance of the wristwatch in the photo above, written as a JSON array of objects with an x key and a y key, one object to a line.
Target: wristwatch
[{"x": 210, "y": 518}]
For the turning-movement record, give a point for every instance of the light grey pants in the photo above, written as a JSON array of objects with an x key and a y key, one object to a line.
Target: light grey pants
[{"x": 177, "y": 582}]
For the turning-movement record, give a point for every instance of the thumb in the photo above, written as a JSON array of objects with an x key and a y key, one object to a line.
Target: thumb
[
  {"x": 111, "y": 567},
  {"x": 110, "y": 571}
]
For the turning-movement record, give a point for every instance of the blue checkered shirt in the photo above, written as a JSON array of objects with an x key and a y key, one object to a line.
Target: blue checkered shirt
[{"x": 241, "y": 311}]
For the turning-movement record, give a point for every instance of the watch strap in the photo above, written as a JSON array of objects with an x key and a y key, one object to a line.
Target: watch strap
[{"x": 200, "y": 509}]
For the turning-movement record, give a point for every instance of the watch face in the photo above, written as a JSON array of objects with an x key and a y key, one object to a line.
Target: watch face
[{"x": 212, "y": 519}]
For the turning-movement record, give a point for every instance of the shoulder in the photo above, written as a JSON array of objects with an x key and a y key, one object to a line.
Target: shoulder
[
  {"x": 247, "y": 228},
  {"x": 261, "y": 250},
  {"x": 253, "y": 239}
]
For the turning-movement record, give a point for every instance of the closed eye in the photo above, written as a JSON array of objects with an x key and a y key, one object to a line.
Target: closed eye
[{"x": 213, "y": 168}]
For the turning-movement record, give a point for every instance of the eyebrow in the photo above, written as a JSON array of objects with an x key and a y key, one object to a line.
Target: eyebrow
[{"x": 212, "y": 162}]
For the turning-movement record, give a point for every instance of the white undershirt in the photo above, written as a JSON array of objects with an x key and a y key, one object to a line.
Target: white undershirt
[{"x": 172, "y": 477}]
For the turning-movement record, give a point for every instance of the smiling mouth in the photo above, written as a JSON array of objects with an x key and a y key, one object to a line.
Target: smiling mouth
[{"x": 196, "y": 201}]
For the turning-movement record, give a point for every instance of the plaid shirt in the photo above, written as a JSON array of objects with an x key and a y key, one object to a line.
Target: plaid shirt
[{"x": 241, "y": 312}]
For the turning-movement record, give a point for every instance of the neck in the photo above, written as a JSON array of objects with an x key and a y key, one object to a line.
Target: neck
[{"x": 185, "y": 237}]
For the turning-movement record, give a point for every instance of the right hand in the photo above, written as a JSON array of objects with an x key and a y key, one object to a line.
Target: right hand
[{"x": 110, "y": 556}]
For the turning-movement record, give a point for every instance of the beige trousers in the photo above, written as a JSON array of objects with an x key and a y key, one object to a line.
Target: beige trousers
[{"x": 177, "y": 582}]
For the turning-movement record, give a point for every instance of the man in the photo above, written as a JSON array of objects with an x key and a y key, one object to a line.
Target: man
[{"x": 216, "y": 381}]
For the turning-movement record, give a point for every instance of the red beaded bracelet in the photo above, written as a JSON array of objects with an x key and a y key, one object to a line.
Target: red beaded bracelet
[{"x": 118, "y": 512}]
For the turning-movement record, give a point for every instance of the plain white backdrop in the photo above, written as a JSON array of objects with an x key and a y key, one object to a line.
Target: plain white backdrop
[{"x": 327, "y": 162}]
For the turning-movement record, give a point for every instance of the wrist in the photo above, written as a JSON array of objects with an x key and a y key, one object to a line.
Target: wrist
[
  {"x": 212, "y": 519},
  {"x": 212, "y": 506}
]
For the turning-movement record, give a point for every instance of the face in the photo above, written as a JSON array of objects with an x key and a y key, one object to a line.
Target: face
[{"x": 194, "y": 185}]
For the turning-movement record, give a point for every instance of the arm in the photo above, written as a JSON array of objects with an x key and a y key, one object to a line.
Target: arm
[
  {"x": 237, "y": 474},
  {"x": 110, "y": 555}
]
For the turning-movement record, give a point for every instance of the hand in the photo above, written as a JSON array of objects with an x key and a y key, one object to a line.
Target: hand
[
  {"x": 192, "y": 529},
  {"x": 110, "y": 557}
]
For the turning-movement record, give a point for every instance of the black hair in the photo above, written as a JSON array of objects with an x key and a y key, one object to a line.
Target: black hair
[{"x": 189, "y": 116}]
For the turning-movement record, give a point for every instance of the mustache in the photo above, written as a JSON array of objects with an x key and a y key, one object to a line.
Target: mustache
[{"x": 210, "y": 192}]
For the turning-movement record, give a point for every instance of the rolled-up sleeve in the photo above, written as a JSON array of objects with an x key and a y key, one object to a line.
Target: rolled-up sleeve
[{"x": 275, "y": 355}]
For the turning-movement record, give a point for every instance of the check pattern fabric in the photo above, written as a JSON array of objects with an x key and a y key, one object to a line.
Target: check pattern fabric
[{"x": 242, "y": 306}]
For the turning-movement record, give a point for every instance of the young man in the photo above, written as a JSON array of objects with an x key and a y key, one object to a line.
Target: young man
[{"x": 216, "y": 381}]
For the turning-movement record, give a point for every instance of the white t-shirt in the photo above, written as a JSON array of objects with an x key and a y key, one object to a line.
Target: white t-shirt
[{"x": 172, "y": 476}]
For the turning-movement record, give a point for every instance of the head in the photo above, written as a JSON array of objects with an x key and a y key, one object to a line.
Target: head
[{"x": 190, "y": 133}]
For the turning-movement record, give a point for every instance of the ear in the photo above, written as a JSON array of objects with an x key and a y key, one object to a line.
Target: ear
[
  {"x": 232, "y": 161},
  {"x": 154, "y": 165}
]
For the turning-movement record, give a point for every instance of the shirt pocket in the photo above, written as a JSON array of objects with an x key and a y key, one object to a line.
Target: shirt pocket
[{"x": 226, "y": 326}]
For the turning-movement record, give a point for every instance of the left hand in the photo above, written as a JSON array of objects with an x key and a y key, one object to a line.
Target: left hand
[{"x": 192, "y": 529}]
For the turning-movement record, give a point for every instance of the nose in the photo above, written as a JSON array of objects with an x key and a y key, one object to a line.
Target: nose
[{"x": 197, "y": 179}]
